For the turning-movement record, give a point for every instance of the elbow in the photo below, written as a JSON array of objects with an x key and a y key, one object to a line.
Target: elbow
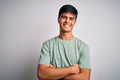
[
  {"x": 42, "y": 75},
  {"x": 39, "y": 75},
  {"x": 86, "y": 78}
]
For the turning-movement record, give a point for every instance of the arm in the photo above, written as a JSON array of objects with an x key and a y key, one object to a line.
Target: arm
[
  {"x": 84, "y": 63},
  {"x": 83, "y": 75},
  {"x": 47, "y": 72}
]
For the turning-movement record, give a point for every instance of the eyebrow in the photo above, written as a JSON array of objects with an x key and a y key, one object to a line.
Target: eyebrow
[{"x": 66, "y": 16}]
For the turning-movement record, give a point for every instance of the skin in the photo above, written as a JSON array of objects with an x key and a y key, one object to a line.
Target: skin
[
  {"x": 51, "y": 73},
  {"x": 66, "y": 22}
]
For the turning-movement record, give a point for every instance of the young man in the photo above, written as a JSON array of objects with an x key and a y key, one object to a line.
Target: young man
[{"x": 65, "y": 57}]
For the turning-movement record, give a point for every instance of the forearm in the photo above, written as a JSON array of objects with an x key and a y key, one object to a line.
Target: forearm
[
  {"x": 57, "y": 73},
  {"x": 73, "y": 77},
  {"x": 83, "y": 75},
  {"x": 54, "y": 73}
]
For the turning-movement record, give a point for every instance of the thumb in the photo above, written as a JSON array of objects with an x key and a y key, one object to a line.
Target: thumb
[{"x": 52, "y": 66}]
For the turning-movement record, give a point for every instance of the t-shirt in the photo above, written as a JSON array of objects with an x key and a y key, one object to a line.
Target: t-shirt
[{"x": 64, "y": 53}]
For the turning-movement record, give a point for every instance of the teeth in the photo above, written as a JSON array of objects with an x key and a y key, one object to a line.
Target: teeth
[{"x": 66, "y": 25}]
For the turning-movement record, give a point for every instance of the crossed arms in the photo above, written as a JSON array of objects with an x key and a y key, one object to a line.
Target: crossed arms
[{"x": 68, "y": 73}]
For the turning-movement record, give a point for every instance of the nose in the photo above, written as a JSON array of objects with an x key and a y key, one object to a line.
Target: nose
[{"x": 67, "y": 20}]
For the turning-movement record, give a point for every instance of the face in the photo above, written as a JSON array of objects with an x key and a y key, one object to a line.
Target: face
[{"x": 67, "y": 21}]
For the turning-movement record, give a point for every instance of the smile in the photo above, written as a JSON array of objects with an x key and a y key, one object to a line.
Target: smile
[{"x": 66, "y": 25}]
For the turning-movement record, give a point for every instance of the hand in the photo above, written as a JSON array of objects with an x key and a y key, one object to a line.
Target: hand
[
  {"x": 75, "y": 68},
  {"x": 52, "y": 66}
]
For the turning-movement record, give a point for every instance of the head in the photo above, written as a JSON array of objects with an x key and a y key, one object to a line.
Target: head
[
  {"x": 67, "y": 18},
  {"x": 68, "y": 8}
]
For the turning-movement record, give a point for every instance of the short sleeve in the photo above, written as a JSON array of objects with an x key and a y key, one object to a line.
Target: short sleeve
[
  {"x": 44, "y": 56},
  {"x": 85, "y": 58}
]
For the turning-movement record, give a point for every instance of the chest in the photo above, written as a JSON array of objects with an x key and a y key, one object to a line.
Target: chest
[{"x": 63, "y": 55}]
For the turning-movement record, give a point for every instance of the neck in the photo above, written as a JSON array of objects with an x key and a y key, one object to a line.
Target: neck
[{"x": 66, "y": 36}]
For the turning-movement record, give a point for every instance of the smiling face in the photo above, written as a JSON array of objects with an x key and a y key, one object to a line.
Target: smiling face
[{"x": 67, "y": 21}]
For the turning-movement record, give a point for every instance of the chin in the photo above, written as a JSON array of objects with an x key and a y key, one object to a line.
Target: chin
[{"x": 66, "y": 31}]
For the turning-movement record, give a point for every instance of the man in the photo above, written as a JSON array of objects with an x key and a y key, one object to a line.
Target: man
[{"x": 65, "y": 57}]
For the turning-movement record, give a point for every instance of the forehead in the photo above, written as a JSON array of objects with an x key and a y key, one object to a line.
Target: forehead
[{"x": 68, "y": 14}]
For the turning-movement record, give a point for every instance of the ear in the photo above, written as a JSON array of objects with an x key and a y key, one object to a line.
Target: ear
[
  {"x": 75, "y": 21},
  {"x": 58, "y": 20}
]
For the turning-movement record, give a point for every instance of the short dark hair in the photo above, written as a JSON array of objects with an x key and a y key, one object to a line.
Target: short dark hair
[{"x": 68, "y": 8}]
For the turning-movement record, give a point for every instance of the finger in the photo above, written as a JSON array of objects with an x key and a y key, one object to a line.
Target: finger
[{"x": 51, "y": 65}]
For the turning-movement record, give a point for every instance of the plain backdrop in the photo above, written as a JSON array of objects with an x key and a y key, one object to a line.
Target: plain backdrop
[{"x": 26, "y": 24}]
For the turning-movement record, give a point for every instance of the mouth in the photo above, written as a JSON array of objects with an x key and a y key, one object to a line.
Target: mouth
[{"x": 66, "y": 25}]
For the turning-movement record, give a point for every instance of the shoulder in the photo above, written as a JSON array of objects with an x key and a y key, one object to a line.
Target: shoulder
[
  {"x": 50, "y": 41},
  {"x": 81, "y": 43}
]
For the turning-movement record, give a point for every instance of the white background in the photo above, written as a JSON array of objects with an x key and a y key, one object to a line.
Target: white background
[{"x": 26, "y": 24}]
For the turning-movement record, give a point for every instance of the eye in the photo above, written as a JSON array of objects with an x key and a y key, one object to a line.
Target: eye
[
  {"x": 64, "y": 17},
  {"x": 71, "y": 18}
]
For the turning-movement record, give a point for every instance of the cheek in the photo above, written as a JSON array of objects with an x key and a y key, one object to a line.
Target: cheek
[
  {"x": 73, "y": 23},
  {"x": 60, "y": 22}
]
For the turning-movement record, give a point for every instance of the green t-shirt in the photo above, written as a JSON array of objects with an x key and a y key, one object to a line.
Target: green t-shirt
[{"x": 63, "y": 53}]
